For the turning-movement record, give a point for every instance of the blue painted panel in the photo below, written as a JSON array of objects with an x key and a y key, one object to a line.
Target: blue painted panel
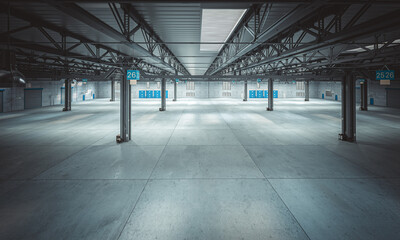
[
  {"x": 260, "y": 94},
  {"x": 93, "y": 95},
  {"x": 132, "y": 75},
  {"x": 142, "y": 94},
  {"x": 252, "y": 94},
  {"x": 266, "y": 93},
  {"x": 371, "y": 101},
  {"x": 166, "y": 94},
  {"x": 323, "y": 96},
  {"x": 83, "y": 97},
  {"x": 157, "y": 94},
  {"x": 149, "y": 94},
  {"x": 33, "y": 89},
  {"x": 336, "y": 98},
  {"x": 275, "y": 94}
]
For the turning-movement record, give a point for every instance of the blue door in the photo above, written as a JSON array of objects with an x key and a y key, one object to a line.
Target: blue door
[
  {"x": 260, "y": 94},
  {"x": 252, "y": 94},
  {"x": 323, "y": 96},
  {"x": 142, "y": 94},
  {"x": 149, "y": 94},
  {"x": 157, "y": 94},
  {"x": 275, "y": 94},
  {"x": 166, "y": 94}
]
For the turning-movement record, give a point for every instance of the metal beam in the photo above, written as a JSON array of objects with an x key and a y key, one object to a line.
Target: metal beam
[
  {"x": 348, "y": 108},
  {"x": 84, "y": 16},
  {"x": 300, "y": 13},
  {"x": 245, "y": 91},
  {"x": 112, "y": 91},
  {"x": 135, "y": 15},
  {"x": 163, "y": 95},
  {"x": 67, "y": 95},
  {"x": 305, "y": 75},
  {"x": 270, "y": 95},
  {"x": 364, "y": 95},
  {"x": 307, "y": 90}
]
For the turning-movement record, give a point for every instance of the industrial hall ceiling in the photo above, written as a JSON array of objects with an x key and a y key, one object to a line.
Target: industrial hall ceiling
[{"x": 198, "y": 39}]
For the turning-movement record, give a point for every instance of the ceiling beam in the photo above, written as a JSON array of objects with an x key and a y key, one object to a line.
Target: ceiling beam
[
  {"x": 84, "y": 16},
  {"x": 298, "y": 14}
]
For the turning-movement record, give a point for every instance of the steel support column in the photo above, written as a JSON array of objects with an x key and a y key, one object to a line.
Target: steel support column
[
  {"x": 163, "y": 94},
  {"x": 307, "y": 90},
  {"x": 175, "y": 90},
  {"x": 112, "y": 91},
  {"x": 68, "y": 95},
  {"x": 245, "y": 91},
  {"x": 270, "y": 95},
  {"x": 364, "y": 95},
  {"x": 125, "y": 109},
  {"x": 348, "y": 109}
]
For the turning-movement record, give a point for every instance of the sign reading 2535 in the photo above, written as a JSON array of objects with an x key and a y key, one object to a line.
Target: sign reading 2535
[{"x": 132, "y": 75}]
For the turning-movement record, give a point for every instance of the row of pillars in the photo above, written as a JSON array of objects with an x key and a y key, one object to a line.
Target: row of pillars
[{"x": 348, "y": 103}]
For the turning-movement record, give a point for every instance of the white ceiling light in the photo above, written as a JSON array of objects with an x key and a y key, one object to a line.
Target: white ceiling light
[{"x": 217, "y": 25}]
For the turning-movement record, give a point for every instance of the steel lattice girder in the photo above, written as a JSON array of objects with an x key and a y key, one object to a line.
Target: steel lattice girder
[
  {"x": 330, "y": 40},
  {"x": 154, "y": 41},
  {"x": 67, "y": 52},
  {"x": 294, "y": 52},
  {"x": 300, "y": 13},
  {"x": 82, "y": 15}
]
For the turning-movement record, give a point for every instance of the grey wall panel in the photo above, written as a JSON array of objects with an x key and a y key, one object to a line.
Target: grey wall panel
[
  {"x": 1, "y": 101},
  {"x": 33, "y": 98},
  {"x": 393, "y": 98}
]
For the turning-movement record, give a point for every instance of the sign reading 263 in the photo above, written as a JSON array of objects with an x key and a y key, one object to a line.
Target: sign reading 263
[
  {"x": 132, "y": 75},
  {"x": 385, "y": 75}
]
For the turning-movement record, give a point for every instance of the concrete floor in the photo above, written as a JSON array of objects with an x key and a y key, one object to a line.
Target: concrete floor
[{"x": 204, "y": 169}]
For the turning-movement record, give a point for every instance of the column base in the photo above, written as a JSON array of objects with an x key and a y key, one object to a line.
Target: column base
[
  {"x": 307, "y": 100},
  {"x": 112, "y": 100},
  {"x": 161, "y": 109},
  {"x": 343, "y": 137},
  {"x": 66, "y": 110},
  {"x": 244, "y": 100},
  {"x": 174, "y": 100},
  {"x": 363, "y": 109},
  {"x": 270, "y": 109}
]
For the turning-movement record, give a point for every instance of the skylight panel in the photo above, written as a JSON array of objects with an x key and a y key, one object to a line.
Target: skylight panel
[{"x": 217, "y": 25}]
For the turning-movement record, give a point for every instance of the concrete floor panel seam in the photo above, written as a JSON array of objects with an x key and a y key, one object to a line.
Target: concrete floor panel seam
[{"x": 291, "y": 213}]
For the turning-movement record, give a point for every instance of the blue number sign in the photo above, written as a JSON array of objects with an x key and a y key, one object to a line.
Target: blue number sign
[
  {"x": 385, "y": 75},
  {"x": 132, "y": 75}
]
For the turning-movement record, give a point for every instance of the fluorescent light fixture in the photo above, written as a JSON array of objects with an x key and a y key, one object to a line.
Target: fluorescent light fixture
[
  {"x": 22, "y": 80},
  {"x": 217, "y": 25}
]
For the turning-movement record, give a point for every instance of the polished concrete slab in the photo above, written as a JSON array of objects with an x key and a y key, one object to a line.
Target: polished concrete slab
[
  {"x": 67, "y": 209},
  {"x": 203, "y": 169},
  {"x": 211, "y": 209},
  {"x": 179, "y": 162},
  {"x": 343, "y": 208}
]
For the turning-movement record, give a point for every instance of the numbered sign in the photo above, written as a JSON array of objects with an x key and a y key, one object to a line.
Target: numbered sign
[
  {"x": 84, "y": 80},
  {"x": 132, "y": 75},
  {"x": 258, "y": 80},
  {"x": 385, "y": 75},
  {"x": 176, "y": 80}
]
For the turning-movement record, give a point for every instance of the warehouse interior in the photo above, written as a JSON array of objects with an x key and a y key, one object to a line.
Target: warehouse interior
[{"x": 171, "y": 119}]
